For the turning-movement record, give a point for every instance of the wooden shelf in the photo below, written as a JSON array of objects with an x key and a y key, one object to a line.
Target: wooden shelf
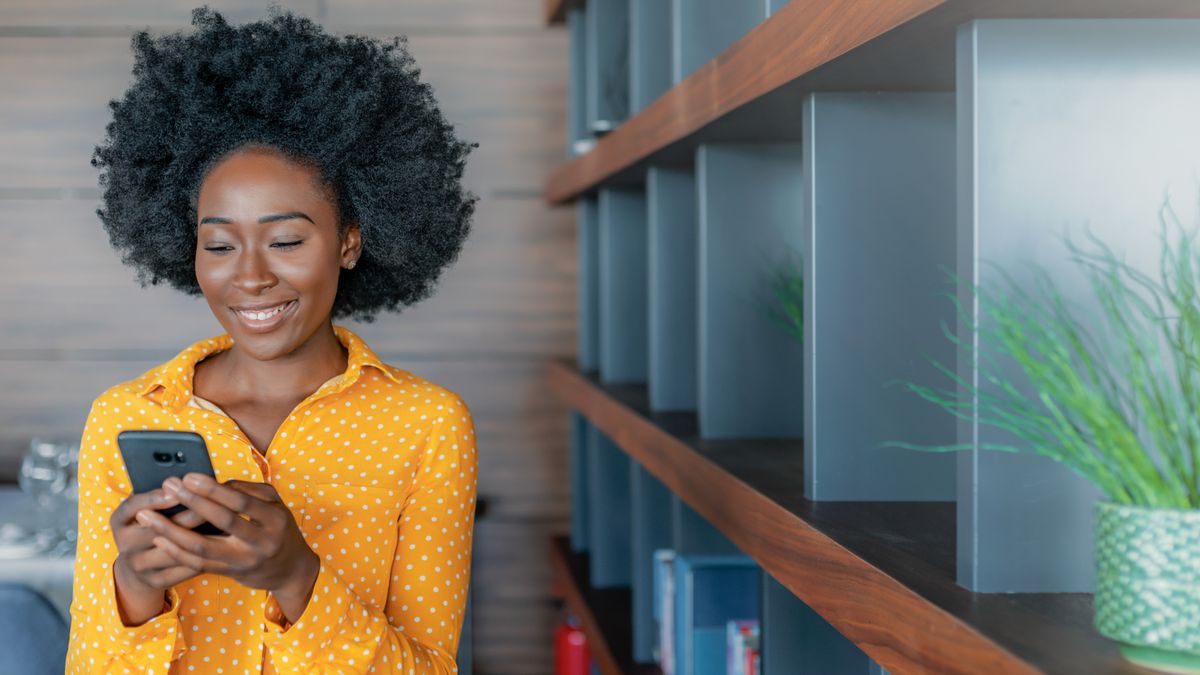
[
  {"x": 753, "y": 90},
  {"x": 605, "y": 613},
  {"x": 882, "y": 573}
]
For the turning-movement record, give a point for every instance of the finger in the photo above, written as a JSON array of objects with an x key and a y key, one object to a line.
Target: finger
[
  {"x": 187, "y": 558},
  {"x": 152, "y": 560},
  {"x": 134, "y": 538},
  {"x": 174, "y": 575},
  {"x": 231, "y": 499},
  {"x": 224, "y": 517},
  {"x": 157, "y": 498},
  {"x": 263, "y": 491},
  {"x": 208, "y": 554},
  {"x": 189, "y": 519}
]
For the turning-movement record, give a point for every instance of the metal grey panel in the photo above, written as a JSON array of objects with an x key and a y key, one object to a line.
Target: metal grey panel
[
  {"x": 579, "y": 483},
  {"x": 608, "y": 512},
  {"x": 622, "y": 278},
  {"x": 751, "y": 221},
  {"x": 874, "y": 284},
  {"x": 701, "y": 29},
  {"x": 577, "y": 128},
  {"x": 691, "y": 533},
  {"x": 651, "y": 531},
  {"x": 588, "y": 243},
  {"x": 607, "y": 44},
  {"x": 775, "y": 5},
  {"x": 1061, "y": 124},
  {"x": 673, "y": 249},
  {"x": 649, "y": 51},
  {"x": 797, "y": 641}
]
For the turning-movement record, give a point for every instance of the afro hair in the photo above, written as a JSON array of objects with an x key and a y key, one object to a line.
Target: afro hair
[{"x": 351, "y": 107}]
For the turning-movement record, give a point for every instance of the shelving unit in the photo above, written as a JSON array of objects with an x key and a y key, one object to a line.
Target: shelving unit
[
  {"x": 604, "y": 613},
  {"x": 883, "y": 144},
  {"x": 881, "y": 573}
]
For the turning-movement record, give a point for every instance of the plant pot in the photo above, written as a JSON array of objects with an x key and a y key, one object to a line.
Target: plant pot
[{"x": 1148, "y": 584}]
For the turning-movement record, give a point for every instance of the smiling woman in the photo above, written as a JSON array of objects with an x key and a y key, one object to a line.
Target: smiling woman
[{"x": 290, "y": 177}]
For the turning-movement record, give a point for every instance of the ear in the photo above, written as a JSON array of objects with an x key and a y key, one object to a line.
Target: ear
[{"x": 351, "y": 245}]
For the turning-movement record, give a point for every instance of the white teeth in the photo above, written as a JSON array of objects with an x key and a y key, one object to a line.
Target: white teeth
[{"x": 262, "y": 316}]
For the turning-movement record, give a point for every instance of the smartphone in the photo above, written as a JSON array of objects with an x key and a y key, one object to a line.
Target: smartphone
[{"x": 152, "y": 456}]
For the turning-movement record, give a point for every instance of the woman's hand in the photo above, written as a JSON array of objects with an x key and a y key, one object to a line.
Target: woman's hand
[
  {"x": 265, "y": 549},
  {"x": 143, "y": 571}
]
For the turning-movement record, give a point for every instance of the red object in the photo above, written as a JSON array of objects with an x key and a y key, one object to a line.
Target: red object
[{"x": 571, "y": 655}]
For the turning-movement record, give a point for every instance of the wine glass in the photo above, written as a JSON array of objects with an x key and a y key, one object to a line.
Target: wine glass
[
  {"x": 68, "y": 521},
  {"x": 43, "y": 477}
]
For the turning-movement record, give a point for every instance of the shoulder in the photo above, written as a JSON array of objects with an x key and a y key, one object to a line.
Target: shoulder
[
  {"x": 130, "y": 392},
  {"x": 169, "y": 377},
  {"x": 413, "y": 393}
]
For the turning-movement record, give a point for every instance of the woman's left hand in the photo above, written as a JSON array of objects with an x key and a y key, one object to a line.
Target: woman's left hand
[{"x": 267, "y": 551}]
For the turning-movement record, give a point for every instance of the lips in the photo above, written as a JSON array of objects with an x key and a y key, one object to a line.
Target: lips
[{"x": 263, "y": 319}]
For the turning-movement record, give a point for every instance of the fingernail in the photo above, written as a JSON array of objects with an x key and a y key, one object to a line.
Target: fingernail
[
  {"x": 171, "y": 488},
  {"x": 194, "y": 480},
  {"x": 172, "y": 482},
  {"x": 143, "y": 518}
]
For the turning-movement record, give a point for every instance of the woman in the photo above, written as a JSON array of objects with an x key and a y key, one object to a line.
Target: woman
[{"x": 290, "y": 177}]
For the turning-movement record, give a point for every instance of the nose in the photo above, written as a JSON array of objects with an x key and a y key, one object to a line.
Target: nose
[{"x": 253, "y": 274}]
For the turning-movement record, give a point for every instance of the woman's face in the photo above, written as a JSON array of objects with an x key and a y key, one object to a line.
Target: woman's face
[{"x": 267, "y": 251}]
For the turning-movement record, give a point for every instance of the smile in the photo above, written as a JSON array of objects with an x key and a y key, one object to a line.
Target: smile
[{"x": 263, "y": 320}]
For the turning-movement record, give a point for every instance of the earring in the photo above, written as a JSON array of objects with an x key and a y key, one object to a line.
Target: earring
[{"x": 350, "y": 265}]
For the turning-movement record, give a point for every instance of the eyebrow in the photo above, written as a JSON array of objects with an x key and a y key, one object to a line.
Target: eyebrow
[{"x": 269, "y": 218}]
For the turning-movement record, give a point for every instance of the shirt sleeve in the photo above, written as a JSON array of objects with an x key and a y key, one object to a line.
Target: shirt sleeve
[
  {"x": 99, "y": 642},
  {"x": 419, "y": 628}
]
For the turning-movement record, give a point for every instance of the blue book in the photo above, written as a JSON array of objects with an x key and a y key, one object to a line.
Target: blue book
[{"x": 710, "y": 591}]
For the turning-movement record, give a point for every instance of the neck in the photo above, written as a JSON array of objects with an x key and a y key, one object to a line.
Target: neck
[{"x": 293, "y": 375}]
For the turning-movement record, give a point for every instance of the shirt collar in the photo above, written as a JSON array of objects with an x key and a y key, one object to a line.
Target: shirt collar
[{"x": 175, "y": 376}]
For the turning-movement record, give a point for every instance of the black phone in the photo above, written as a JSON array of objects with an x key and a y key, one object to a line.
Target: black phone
[{"x": 152, "y": 456}]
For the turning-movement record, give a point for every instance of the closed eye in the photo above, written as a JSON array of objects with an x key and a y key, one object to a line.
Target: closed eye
[{"x": 288, "y": 244}]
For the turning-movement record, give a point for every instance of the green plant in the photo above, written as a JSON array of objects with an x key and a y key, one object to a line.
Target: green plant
[
  {"x": 787, "y": 289},
  {"x": 1115, "y": 397}
]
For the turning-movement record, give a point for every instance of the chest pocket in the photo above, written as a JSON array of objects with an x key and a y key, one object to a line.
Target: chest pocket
[{"x": 353, "y": 528}]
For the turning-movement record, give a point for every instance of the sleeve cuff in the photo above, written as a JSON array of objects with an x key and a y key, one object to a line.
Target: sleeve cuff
[
  {"x": 317, "y": 627},
  {"x": 160, "y": 636}
]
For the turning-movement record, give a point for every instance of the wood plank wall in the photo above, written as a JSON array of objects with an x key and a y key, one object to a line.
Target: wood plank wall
[{"x": 73, "y": 321}]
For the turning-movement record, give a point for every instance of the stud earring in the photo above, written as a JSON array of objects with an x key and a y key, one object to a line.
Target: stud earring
[{"x": 350, "y": 265}]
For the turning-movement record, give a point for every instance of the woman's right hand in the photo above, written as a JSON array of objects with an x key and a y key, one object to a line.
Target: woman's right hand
[{"x": 142, "y": 571}]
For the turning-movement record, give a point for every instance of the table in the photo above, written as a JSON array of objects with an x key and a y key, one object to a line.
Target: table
[{"x": 51, "y": 576}]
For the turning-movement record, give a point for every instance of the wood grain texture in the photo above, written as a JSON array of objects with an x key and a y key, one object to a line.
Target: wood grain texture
[
  {"x": 604, "y": 612},
  {"x": 882, "y": 573},
  {"x": 801, "y": 36},
  {"x": 752, "y": 90},
  {"x": 73, "y": 320},
  {"x": 515, "y": 617},
  {"x": 442, "y": 16}
]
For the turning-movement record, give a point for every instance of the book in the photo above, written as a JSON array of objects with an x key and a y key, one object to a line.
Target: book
[{"x": 742, "y": 647}]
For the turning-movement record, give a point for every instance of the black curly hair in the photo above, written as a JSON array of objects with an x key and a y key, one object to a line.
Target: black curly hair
[{"x": 351, "y": 107}]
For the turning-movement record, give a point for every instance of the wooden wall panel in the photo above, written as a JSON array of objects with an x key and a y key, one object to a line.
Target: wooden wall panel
[
  {"x": 81, "y": 15},
  {"x": 73, "y": 320}
]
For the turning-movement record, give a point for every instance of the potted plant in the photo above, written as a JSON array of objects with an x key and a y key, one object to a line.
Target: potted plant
[
  {"x": 786, "y": 306},
  {"x": 1115, "y": 397}
]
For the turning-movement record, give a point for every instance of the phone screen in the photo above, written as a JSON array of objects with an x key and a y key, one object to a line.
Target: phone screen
[{"x": 153, "y": 456}]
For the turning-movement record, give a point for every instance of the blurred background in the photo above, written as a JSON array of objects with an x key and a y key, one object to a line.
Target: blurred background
[{"x": 73, "y": 320}]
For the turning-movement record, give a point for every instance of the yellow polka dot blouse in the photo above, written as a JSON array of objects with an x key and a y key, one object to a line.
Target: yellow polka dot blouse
[{"x": 378, "y": 467}]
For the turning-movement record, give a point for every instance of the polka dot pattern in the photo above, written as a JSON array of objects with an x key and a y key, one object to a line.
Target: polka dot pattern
[{"x": 378, "y": 467}]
